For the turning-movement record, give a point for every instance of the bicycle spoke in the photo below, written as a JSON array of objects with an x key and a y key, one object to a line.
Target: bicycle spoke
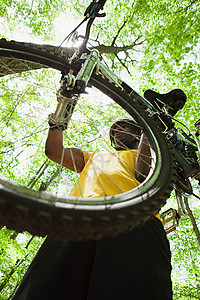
[{"x": 26, "y": 100}]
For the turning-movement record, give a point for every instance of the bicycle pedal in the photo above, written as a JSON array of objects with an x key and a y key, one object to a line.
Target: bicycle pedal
[{"x": 170, "y": 219}]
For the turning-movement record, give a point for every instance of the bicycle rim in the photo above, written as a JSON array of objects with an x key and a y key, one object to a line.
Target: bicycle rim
[{"x": 43, "y": 213}]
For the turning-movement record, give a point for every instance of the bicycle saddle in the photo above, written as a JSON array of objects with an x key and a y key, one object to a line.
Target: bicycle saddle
[{"x": 173, "y": 100}]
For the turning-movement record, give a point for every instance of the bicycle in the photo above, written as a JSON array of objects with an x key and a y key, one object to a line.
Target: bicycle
[{"x": 41, "y": 213}]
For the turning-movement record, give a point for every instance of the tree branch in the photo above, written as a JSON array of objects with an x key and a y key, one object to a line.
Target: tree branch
[
  {"x": 116, "y": 49},
  {"x": 124, "y": 65},
  {"x": 120, "y": 29}
]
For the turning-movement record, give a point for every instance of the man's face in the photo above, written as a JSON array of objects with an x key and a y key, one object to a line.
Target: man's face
[{"x": 124, "y": 134}]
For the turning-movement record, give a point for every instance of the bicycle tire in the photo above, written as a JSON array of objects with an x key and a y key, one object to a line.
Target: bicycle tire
[{"x": 43, "y": 214}]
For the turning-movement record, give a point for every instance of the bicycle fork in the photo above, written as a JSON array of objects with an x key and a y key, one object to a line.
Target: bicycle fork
[{"x": 72, "y": 87}]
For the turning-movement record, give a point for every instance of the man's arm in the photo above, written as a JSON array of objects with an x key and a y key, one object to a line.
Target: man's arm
[
  {"x": 71, "y": 158},
  {"x": 143, "y": 160}
]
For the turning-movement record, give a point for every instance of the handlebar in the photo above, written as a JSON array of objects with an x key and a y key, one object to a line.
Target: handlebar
[
  {"x": 91, "y": 13},
  {"x": 93, "y": 9}
]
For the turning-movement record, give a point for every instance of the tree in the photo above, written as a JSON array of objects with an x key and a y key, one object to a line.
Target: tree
[
  {"x": 185, "y": 262},
  {"x": 35, "y": 16},
  {"x": 153, "y": 44},
  {"x": 17, "y": 252}
]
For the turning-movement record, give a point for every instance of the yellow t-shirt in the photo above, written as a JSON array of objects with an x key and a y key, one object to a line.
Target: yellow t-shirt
[{"x": 106, "y": 174}]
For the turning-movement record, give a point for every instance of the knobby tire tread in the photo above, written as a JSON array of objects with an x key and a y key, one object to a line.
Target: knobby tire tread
[{"x": 24, "y": 209}]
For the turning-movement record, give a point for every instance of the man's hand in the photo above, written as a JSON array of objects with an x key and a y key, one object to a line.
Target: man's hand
[
  {"x": 66, "y": 103},
  {"x": 55, "y": 123}
]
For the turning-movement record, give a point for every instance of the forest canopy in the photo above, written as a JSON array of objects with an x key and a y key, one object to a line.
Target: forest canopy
[{"x": 151, "y": 45}]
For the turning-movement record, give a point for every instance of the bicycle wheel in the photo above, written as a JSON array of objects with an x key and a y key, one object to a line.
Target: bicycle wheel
[{"x": 24, "y": 133}]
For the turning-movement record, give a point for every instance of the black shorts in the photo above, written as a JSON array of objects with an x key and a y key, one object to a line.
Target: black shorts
[{"x": 134, "y": 265}]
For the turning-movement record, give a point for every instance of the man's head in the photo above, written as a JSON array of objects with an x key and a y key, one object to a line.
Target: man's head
[{"x": 124, "y": 134}]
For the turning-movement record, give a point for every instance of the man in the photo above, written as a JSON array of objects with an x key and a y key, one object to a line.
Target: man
[
  {"x": 131, "y": 266},
  {"x": 124, "y": 135}
]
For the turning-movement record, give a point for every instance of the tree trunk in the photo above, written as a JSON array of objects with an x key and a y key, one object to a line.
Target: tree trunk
[{"x": 193, "y": 221}]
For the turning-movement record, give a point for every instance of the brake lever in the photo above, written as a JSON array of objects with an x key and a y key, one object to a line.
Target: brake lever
[{"x": 93, "y": 9}]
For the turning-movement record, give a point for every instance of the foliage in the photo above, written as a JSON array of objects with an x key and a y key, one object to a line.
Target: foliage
[
  {"x": 157, "y": 44},
  {"x": 17, "y": 252},
  {"x": 36, "y": 16},
  {"x": 185, "y": 260}
]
